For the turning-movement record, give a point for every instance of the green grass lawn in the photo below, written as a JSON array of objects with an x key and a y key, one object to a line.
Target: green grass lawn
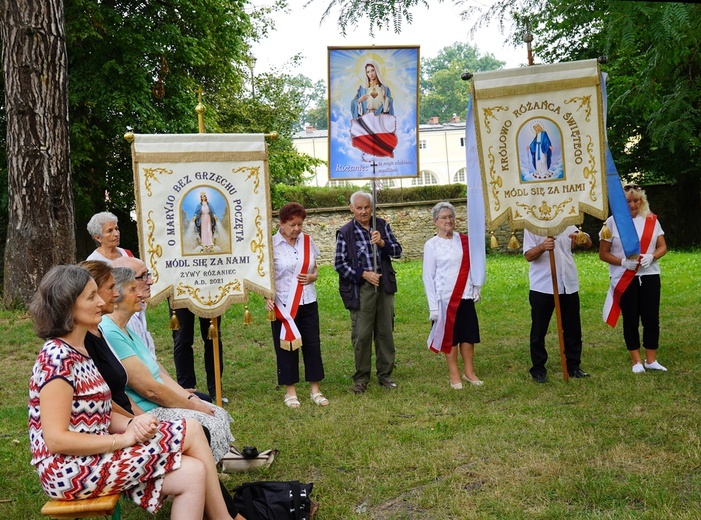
[{"x": 616, "y": 445}]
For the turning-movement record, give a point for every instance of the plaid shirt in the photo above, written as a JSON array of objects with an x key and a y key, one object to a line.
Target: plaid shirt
[{"x": 363, "y": 248}]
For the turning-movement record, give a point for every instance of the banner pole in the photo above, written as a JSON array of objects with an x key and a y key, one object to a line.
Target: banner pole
[
  {"x": 217, "y": 357},
  {"x": 374, "y": 218},
  {"x": 558, "y": 315},
  {"x": 214, "y": 322}
]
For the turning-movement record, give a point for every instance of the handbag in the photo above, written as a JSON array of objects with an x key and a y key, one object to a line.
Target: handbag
[{"x": 269, "y": 500}]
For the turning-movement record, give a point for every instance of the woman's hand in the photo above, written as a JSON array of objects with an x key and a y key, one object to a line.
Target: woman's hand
[
  {"x": 142, "y": 427},
  {"x": 269, "y": 305},
  {"x": 306, "y": 278},
  {"x": 200, "y": 406}
]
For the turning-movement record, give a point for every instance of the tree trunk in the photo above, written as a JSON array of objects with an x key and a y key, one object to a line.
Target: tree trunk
[{"x": 41, "y": 229}]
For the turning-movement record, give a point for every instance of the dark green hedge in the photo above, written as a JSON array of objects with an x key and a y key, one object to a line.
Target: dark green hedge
[{"x": 313, "y": 197}]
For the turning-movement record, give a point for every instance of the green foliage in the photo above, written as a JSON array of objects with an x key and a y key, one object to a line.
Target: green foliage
[
  {"x": 443, "y": 92},
  {"x": 138, "y": 65},
  {"x": 312, "y": 197},
  {"x": 381, "y": 14}
]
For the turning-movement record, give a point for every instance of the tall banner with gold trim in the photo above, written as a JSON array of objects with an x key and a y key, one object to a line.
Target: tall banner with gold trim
[
  {"x": 204, "y": 214},
  {"x": 541, "y": 144}
]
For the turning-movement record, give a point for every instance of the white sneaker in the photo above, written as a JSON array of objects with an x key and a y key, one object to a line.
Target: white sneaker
[
  {"x": 638, "y": 368},
  {"x": 655, "y": 366}
]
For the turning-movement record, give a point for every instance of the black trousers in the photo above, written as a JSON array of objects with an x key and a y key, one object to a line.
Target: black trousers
[
  {"x": 542, "y": 307},
  {"x": 641, "y": 303},
  {"x": 307, "y": 321},
  {"x": 184, "y": 356}
]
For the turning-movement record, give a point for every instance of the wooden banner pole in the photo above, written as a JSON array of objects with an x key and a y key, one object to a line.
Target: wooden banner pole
[
  {"x": 217, "y": 356},
  {"x": 558, "y": 314}
]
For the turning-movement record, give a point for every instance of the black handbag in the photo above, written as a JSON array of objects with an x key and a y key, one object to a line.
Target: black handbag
[{"x": 275, "y": 500}]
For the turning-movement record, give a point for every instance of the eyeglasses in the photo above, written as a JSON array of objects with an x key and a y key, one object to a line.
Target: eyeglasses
[
  {"x": 146, "y": 276},
  {"x": 629, "y": 187}
]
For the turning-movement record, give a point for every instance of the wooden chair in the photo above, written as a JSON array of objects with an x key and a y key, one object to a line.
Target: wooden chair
[{"x": 105, "y": 506}]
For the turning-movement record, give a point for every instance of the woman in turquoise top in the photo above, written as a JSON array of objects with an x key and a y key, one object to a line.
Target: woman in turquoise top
[{"x": 149, "y": 385}]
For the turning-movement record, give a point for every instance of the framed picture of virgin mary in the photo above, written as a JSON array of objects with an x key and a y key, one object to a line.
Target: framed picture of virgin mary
[{"x": 373, "y": 112}]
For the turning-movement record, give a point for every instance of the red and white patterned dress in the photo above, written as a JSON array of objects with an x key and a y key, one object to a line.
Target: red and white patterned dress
[{"x": 137, "y": 470}]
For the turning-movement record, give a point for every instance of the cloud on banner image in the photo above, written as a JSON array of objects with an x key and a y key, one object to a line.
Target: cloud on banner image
[{"x": 390, "y": 114}]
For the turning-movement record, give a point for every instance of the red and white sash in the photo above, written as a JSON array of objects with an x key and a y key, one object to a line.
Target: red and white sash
[
  {"x": 621, "y": 280},
  {"x": 441, "y": 337},
  {"x": 290, "y": 337}
]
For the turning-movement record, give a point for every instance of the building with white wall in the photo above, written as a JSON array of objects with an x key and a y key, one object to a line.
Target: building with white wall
[{"x": 441, "y": 155}]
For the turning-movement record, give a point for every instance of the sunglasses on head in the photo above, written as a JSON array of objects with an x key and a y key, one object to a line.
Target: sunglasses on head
[{"x": 629, "y": 187}]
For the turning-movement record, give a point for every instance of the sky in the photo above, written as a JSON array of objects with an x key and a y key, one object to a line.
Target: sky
[{"x": 299, "y": 31}]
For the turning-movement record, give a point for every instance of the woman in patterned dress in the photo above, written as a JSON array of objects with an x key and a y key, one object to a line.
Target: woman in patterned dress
[
  {"x": 149, "y": 385},
  {"x": 80, "y": 448}
]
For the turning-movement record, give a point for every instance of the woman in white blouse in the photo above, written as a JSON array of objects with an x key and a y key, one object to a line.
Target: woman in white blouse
[
  {"x": 451, "y": 296},
  {"x": 295, "y": 306}
]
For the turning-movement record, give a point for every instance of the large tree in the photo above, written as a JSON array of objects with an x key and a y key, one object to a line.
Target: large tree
[
  {"x": 41, "y": 228},
  {"x": 443, "y": 92},
  {"x": 138, "y": 65}
]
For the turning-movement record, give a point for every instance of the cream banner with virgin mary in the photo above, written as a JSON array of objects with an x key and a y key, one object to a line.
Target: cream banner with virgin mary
[
  {"x": 541, "y": 145},
  {"x": 203, "y": 214}
]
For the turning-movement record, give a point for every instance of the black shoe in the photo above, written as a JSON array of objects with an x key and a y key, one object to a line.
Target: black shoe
[
  {"x": 540, "y": 378},
  {"x": 578, "y": 373},
  {"x": 359, "y": 388},
  {"x": 387, "y": 383}
]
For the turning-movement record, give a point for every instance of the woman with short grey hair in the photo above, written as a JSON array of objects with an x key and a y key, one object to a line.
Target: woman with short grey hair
[
  {"x": 150, "y": 386},
  {"x": 451, "y": 296},
  {"x": 104, "y": 230}
]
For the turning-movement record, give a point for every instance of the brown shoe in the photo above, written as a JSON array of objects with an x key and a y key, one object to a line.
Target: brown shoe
[
  {"x": 388, "y": 383},
  {"x": 359, "y": 388}
]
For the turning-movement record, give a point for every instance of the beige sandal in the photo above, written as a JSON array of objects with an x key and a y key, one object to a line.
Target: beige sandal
[
  {"x": 319, "y": 399},
  {"x": 291, "y": 401}
]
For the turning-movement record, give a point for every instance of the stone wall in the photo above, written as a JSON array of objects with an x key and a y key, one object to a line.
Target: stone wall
[{"x": 411, "y": 223}]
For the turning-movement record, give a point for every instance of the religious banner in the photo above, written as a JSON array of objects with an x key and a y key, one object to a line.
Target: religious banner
[
  {"x": 540, "y": 145},
  {"x": 204, "y": 215},
  {"x": 373, "y": 112}
]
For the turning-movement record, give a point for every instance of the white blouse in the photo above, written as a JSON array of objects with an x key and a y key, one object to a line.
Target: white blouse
[
  {"x": 285, "y": 258},
  {"x": 442, "y": 260}
]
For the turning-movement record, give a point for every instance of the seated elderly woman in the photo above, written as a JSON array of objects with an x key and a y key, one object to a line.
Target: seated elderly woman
[
  {"x": 151, "y": 388},
  {"x": 74, "y": 431},
  {"x": 104, "y": 230}
]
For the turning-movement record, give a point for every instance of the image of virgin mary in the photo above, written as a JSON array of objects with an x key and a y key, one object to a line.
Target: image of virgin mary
[{"x": 373, "y": 127}]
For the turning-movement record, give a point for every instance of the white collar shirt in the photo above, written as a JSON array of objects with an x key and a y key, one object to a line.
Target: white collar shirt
[
  {"x": 285, "y": 257},
  {"x": 539, "y": 271}
]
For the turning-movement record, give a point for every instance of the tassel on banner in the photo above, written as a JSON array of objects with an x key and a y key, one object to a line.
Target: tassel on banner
[
  {"x": 211, "y": 332},
  {"x": 174, "y": 322},
  {"x": 247, "y": 317},
  {"x": 271, "y": 315},
  {"x": 605, "y": 233},
  {"x": 493, "y": 243},
  {"x": 513, "y": 241},
  {"x": 581, "y": 237}
]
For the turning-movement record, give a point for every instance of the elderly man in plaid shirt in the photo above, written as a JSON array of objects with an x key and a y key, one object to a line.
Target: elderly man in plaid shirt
[{"x": 368, "y": 292}]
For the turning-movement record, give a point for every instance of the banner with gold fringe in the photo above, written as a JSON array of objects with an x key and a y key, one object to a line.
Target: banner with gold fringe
[
  {"x": 541, "y": 145},
  {"x": 204, "y": 218}
]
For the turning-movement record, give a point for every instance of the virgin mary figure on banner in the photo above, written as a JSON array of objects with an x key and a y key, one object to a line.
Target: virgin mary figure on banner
[{"x": 373, "y": 127}]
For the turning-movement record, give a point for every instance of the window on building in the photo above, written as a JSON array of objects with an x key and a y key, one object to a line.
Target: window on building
[
  {"x": 338, "y": 184},
  {"x": 425, "y": 178},
  {"x": 462, "y": 141},
  {"x": 459, "y": 176},
  {"x": 422, "y": 144}
]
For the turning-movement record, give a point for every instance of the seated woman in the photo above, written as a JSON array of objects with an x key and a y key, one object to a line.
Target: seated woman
[
  {"x": 101, "y": 353},
  {"x": 80, "y": 447},
  {"x": 148, "y": 386}
]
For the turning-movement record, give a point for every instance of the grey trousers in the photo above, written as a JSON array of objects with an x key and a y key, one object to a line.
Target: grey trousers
[{"x": 374, "y": 320}]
